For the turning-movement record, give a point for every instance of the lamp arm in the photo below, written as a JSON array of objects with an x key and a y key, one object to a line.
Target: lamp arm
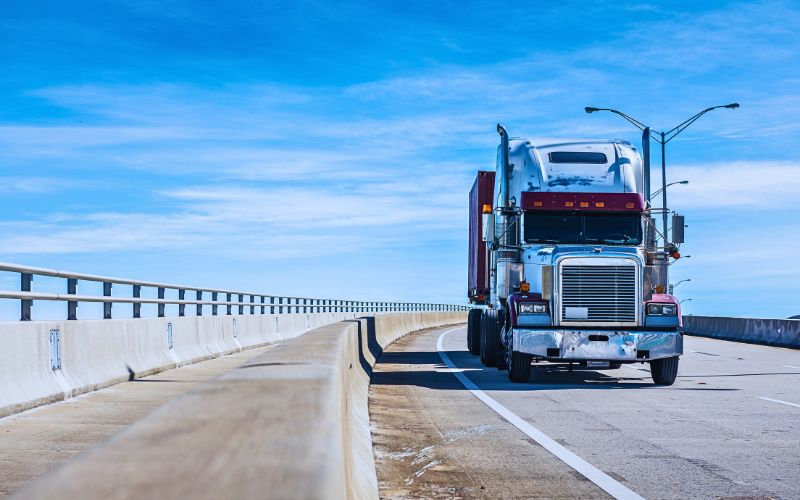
[
  {"x": 681, "y": 127},
  {"x": 691, "y": 119}
]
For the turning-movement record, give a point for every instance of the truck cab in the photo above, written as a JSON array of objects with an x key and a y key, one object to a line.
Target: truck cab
[{"x": 571, "y": 270}]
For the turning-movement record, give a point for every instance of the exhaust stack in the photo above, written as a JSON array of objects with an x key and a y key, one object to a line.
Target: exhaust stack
[
  {"x": 504, "y": 174},
  {"x": 507, "y": 256}
]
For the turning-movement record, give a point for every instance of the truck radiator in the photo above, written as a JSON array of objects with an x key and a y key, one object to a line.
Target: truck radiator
[{"x": 592, "y": 294}]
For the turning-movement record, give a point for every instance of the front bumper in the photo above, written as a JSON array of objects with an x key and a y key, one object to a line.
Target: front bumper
[{"x": 600, "y": 345}]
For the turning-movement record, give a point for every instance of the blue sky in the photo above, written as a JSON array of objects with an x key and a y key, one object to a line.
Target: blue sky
[{"x": 327, "y": 149}]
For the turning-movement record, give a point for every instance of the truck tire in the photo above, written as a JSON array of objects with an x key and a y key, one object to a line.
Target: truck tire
[
  {"x": 519, "y": 364},
  {"x": 664, "y": 371},
  {"x": 474, "y": 331},
  {"x": 614, "y": 364},
  {"x": 490, "y": 338}
]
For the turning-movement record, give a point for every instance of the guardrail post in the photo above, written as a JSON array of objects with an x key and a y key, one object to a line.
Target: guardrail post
[
  {"x": 26, "y": 280},
  {"x": 199, "y": 306},
  {"x": 72, "y": 305},
  {"x": 181, "y": 307},
  {"x": 107, "y": 305},
  {"x": 214, "y": 307},
  {"x": 137, "y": 308},
  {"x": 263, "y": 309},
  {"x": 280, "y": 305},
  {"x": 241, "y": 306},
  {"x": 252, "y": 301},
  {"x": 161, "y": 307},
  {"x": 272, "y": 305},
  {"x": 229, "y": 305},
  {"x": 305, "y": 305}
]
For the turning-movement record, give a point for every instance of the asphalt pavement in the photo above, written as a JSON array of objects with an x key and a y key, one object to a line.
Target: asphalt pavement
[{"x": 728, "y": 428}]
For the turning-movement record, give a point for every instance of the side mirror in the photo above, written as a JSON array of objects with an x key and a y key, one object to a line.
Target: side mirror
[{"x": 677, "y": 228}]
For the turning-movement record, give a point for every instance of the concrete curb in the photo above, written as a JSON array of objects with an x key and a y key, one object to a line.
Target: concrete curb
[
  {"x": 773, "y": 332},
  {"x": 291, "y": 423},
  {"x": 99, "y": 353}
]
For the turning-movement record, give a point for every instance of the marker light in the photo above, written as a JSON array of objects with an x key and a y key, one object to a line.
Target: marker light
[
  {"x": 659, "y": 288},
  {"x": 599, "y": 204},
  {"x": 629, "y": 205},
  {"x": 537, "y": 203},
  {"x": 487, "y": 209},
  {"x": 525, "y": 286},
  {"x": 584, "y": 204},
  {"x": 675, "y": 255},
  {"x": 569, "y": 204}
]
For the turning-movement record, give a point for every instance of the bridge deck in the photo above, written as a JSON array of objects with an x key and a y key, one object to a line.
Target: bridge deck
[
  {"x": 35, "y": 441},
  {"x": 711, "y": 434}
]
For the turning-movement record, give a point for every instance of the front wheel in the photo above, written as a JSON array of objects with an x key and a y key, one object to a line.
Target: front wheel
[
  {"x": 664, "y": 371},
  {"x": 474, "y": 331},
  {"x": 519, "y": 364}
]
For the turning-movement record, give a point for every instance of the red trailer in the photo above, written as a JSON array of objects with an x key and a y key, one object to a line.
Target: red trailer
[{"x": 480, "y": 195}]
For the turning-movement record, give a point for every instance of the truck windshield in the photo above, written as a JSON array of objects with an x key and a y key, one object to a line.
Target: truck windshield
[{"x": 583, "y": 227}]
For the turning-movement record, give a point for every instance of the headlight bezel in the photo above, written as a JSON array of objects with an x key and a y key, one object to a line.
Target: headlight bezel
[
  {"x": 532, "y": 308},
  {"x": 662, "y": 309}
]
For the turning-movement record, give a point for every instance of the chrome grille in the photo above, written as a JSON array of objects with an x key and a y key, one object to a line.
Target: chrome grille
[{"x": 598, "y": 294}]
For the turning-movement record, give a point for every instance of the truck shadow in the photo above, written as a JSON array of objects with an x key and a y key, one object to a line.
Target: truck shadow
[{"x": 426, "y": 369}]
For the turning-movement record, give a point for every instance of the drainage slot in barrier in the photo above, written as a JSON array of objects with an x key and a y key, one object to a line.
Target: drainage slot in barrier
[
  {"x": 169, "y": 336},
  {"x": 55, "y": 349}
]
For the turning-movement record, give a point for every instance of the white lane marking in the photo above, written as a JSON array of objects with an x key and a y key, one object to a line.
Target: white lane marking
[
  {"x": 589, "y": 471},
  {"x": 780, "y": 402},
  {"x": 792, "y": 367}
]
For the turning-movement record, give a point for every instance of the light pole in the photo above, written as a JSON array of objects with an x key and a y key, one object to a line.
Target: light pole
[
  {"x": 662, "y": 138},
  {"x": 684, "y": 300},
  {"x": 672, "y": 287},
  {"x": 668, "y": 185}
]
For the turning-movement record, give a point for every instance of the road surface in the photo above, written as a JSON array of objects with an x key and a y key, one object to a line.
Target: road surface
[
  {"x": 35, "y": 441},
  {"x": 728, "y": 428}
]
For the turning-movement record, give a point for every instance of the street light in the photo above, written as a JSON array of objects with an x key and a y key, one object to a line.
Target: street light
[
  {"x": 668, "y": 185},
  {"x": 681, "y": 281},
  {"x": 681, "y": 258},
  {"x": 684, "y": 300},
  {"x": 672, "y": 287},
  {"x": 662, "y": 138}
]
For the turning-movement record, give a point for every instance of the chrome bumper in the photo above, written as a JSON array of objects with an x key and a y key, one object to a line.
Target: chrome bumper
[{"x": 601, "y": 345}]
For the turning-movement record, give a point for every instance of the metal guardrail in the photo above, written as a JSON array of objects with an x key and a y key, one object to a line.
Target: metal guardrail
[{"x": 275, "y": 304}]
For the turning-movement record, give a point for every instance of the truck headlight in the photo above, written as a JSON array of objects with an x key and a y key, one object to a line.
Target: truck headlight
[
  {"x": 662, "y": 309},
  {"x": 533, "y": 308}
]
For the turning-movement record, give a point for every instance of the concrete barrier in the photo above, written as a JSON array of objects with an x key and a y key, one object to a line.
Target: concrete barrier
[
  {"x": 99, "y": 353},
  {"x": 775, "y": 332},
  {"x": 291, "y": 423}
]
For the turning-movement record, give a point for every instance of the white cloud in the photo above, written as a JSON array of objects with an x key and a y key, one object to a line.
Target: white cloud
[{"x": 737, "y": 185}]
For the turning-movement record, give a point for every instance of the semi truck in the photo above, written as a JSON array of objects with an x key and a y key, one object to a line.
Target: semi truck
[{"x": 566, "y": 263}]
